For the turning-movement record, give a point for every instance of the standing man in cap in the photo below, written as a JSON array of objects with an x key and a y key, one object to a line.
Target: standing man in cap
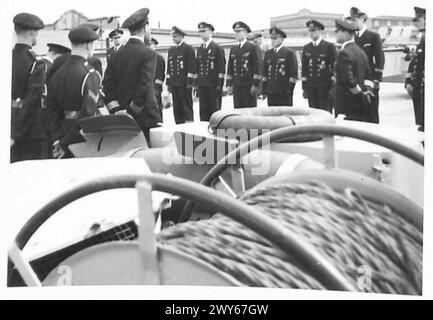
[
  {"x": 243, "y": 69},
  {"x": 130, "y": 76},
  {"x": 371, "y": 43},
  {"x": 414, "y": 82},
  {"x": 354, "y": 86},
  {"x": 54, "y": 51},
  {"x": 180, "y": 76},
  {"x": 93, "y": 60},
  {"x": 210, "y": 66},
  {"x": 28, "y": 138},
  {"x": 280, "y": 71},
  {"x": 116, "y": 37},
  {"x": 159, "y": 74},
  {"x": 318, "y": 62},
  {"x": 73, "y": 94}
]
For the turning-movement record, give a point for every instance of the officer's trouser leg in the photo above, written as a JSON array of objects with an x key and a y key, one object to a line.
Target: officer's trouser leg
[
  {"x": 418, "y": 107},
  {"x": 242, "y": 97},
  {"x": 208, "y": 101},
  {"x": 186, "y": 95},
  {"x": 177, "y": 105},
  {"x": 313, "y": 99},
  {"x": 30, "y": 150},
  {"x": 278, "y": 100},
  {"x": 375, "y": 108},
  {"x": 158, "y": 96}
]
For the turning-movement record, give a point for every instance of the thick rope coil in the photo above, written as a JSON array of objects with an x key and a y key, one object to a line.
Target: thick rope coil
[{"x": 365, "y": 240}]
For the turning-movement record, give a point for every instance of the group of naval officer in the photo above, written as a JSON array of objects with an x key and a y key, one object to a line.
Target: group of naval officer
[{"x": 51, "y": 95}]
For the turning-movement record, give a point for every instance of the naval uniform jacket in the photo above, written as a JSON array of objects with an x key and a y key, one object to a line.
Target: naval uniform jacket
[
  {"x": 130, "y": 77},
  {"x": 318, "y": 63},
  {"x": 180, "y": 66},
  {"x": 210, "y": 65},
  {"x": 353, "y": 76},
  {"x": 280, "y": 71},
  {"x": 160, "y": 72},
  {"x": 243, "y": 69},
  {"x": 416, "y": 71},
  {"x": 73, "y": 94},
  {"x": 112, "y": 51},
  {"x": 371, "y": 43},
  {"x": 28, "y": 83}
]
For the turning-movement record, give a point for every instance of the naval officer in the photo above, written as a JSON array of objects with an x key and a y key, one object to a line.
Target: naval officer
[
  {"x": 318, "y": 62},
  {"x": 243, "y": 69},
  {"x": 116, "y": 37},
  {"x": 159, "y": 73},
  {"x": 280, "y": 71}
]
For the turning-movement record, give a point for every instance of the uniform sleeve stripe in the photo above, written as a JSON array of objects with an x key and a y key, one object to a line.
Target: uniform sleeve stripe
[
  {"x": 292, "y": 80},
  {"x": 221, "y": 75},
  {"x": 304, "y": 78},
  {"x": 378, "y": 70},
  {"x": 229, "y": 77},
  {"x": 191, "y": 75},
  {"x": 158, "y": 81},
  {"x": 369, "y": 83},
  {"x": 257, "y": 77},
  {"x": 355, "y": 90},
  {"x": 112, "y": 104},
  {"x": 409, "y": 75},
  {"x": 168, "y": 76}
]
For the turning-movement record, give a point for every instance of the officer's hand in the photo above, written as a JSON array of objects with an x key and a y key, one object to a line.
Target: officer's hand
[
  {"x": 376, "y": 85},
  {"x": 254, "y": 90},
  {"x": 229, "y": 90},
  {"x": 304, "y": 94},
  {"x": 333, "y": 80},
  {"x": 263, "y": 96},
  {"x": 135, "y": 108},
  {"x": 409, "y": 89},
  {"x": 58, "y": 151},
  {"x": 195, "y": 92},
  {"x": 121, "y": 112},
  {"x": 12, "y": 142},
  {"x": 367, "y": 97}
]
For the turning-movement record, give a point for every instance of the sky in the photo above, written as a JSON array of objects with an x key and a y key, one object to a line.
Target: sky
[{"x": 221, "y": 13}]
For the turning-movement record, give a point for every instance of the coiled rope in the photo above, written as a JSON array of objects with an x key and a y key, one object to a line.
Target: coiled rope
[{"x": 367, "y": 241}]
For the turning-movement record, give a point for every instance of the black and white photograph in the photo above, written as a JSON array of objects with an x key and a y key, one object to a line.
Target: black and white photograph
[{"x": 207, "y": 144}]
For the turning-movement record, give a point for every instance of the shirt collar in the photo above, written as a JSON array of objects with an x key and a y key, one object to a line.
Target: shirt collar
[
  {"x": 180, "y": 43},
  {"x": 317, "y": 42},
  {"x": 346, "y": 43},
  {"x": 48, "y": 59},
  {"x": 118, "y": 47},
  {"x": 137, "y": 37},
  {"x": 243, "y": 42},
  {"x": 207, "y": 43},
  {"x": 361, "y": 32},
  {"x": 278, "y": 48}
]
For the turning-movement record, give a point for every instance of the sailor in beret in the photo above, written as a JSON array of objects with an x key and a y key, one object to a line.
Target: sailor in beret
[
  {"x": 280, "y": 71},
  {"x": 180, "y": 76},
  {"x": 94, "y": 61},
  {"x": 28, "y": 138},
  {"x": 130, "y": 75},
  {"x": 318, "y": 61},
  {"x": 210, "y": 64},
  {"x": 243, "y": 69},
  {"x": 159, "y": 74},
  {"x": 80, "y": 83},
  {"x": 414, "y": 82},
  {"x": 354, "y": 86},
  {"x": 371, "y": 43},
  {"x": 116, "y": 37}
]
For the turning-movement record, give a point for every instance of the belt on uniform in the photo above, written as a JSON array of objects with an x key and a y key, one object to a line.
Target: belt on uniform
[{"x": 72, "y": 115}]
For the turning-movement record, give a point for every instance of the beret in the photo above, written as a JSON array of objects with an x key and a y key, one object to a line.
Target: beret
[
  {"x": 135, "y": 18},
  {"x": 277, "y": 31},
  {"x": 115, "y": 32},
  {"x": 204, "y": 25},
  {"x": 154, "y": 41},
  {"x": 346, "y": 26},
  {"x": 58, "y": 48},
  {"x": 241, "y": 25},
  {"x": 82, "y": 35},
  {"x": 356, "y": 13},
  {"x": 176, "y": 30},
  {"x": 28, "y": 20},
  {"x": 314, "y": 25}
]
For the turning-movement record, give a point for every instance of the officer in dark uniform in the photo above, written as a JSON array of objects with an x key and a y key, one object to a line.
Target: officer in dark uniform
[
  {"x": 130, "y": 76},
  {"x": 371, "y": 43},
  {"x": 354, "y": 86},
  {"x": 414, "y": 82},
  {"x": 73, "y": 94},
  {"x": 210, "y": 66},
  {"x": 280, "y": 71},
  {"x": 116, "y": 37},
  {"x": 159, "y": 74},
  {"x": 243, "y": 69},
  {"x": 55, "y": 51},
  {"x": 180, "y": 76},
  {"x": 318, "y": 62},
  {"x": 28, "y": 138}
]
